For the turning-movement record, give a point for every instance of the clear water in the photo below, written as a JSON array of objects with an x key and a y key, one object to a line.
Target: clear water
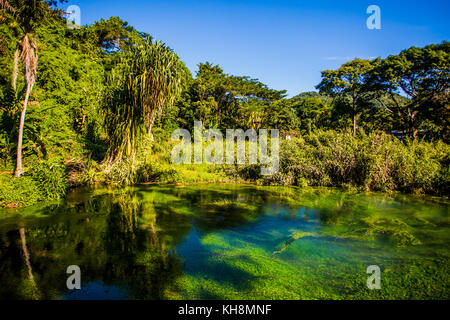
[{"x": 226, "y": 242}]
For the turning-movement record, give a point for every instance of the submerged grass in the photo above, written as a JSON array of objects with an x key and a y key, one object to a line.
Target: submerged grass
[{"x": 236, "y": 242}]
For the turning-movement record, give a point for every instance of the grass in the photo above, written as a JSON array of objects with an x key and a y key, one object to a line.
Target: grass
[{"x": 46, "y": 181}]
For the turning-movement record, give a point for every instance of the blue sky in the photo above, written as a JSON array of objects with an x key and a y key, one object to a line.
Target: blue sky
[{"x": 283, "y": 43}]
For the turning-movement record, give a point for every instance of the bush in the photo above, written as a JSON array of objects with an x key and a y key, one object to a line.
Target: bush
[
  {"x": 124, "y": 172},
  {"x": 133, "y": 170},
  {"x": 16, "y": 192},
  {"x": 51, "y": 179},
  {"x": 377, "y": 161},
  {"x": 155, "y": 172},
  {"x": 45, "y": 181}
]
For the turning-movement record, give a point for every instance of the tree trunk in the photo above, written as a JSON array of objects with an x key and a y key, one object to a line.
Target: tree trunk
[
  {"x": 16, "y": 68},
  {"x": 151, "y": 120},
  {"x": 29, "y": 61},
  {"x": 19, "y": 171},
  {"x": 354, "y": 117},
  {"x": 149, "y": 127},
  {"x": 411, "y": 124}
]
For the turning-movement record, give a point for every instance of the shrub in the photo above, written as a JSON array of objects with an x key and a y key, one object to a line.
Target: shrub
[
  {"x": 51, "y": 179},
  {"x": 46, "y": 180},
  {"x": 377, "y": 161},
  {"x": 155, "y": 172},
  {"x": 16, "y": 192},
  {"x": 124, "y": 172},
  {"x": 132, "y": 170}
]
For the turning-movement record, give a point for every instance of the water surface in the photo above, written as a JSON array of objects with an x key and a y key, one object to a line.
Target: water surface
[{"x": 226, "y": 242}]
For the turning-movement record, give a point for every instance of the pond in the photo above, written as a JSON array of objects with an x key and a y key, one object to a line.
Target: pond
[{"x": 227, "y": 242}]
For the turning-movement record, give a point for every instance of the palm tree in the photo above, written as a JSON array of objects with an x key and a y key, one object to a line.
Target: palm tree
[
  {"x": 29, "y": 59},
  {"x": 27, "y": 13},
  {"x": 149, "y": 78}
]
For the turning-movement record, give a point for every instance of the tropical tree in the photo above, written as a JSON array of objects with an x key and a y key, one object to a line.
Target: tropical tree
[
  {"x": 313, "y": 111},
  {"x": 226, "y": 101},
  {"x": 348, "y": 82},
  {"x": 149, "y": 78},
  {"x": 28, "y": 14},
  {"x": 422, "y": 75}
]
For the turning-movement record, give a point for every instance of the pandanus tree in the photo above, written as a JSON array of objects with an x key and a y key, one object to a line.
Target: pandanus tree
[
  {"x": 148, "y": 79},
  {"x": 27, "y": 14}
]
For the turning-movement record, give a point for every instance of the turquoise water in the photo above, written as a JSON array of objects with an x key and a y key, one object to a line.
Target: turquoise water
[{"x": 226, "y": 242}]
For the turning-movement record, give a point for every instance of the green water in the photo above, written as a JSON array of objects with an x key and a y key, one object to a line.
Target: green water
[{"x": 227, "y": 242}]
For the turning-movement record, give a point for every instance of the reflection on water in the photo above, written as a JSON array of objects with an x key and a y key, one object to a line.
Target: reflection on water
[{"x": 226, "y": 242}]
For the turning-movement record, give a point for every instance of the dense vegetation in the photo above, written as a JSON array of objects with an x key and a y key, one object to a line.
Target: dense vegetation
[{"x": 97, "y": 104}]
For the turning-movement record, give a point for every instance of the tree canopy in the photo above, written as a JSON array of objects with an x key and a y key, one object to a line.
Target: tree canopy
[{"x": 102, "y": 86}]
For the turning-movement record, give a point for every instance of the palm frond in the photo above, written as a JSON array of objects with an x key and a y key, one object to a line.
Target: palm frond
[
  {"x": 4, "y": 5},
  {"x": 29, "y": 59}
]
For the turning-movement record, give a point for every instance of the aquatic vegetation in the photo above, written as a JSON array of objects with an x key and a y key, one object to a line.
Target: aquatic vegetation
[
  {"x": 293, "y": 238},
  {"x": 228, "y": 242}
]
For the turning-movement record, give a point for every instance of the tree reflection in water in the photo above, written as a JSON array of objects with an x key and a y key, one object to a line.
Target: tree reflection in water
[{"x": 123, "y": 238}]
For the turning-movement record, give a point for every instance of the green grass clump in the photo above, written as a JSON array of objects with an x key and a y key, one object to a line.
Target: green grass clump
[
  {"x": 50, "y": 178},
  {"x": 45, "y": 181},
  {"x": 16, "y": 192}
]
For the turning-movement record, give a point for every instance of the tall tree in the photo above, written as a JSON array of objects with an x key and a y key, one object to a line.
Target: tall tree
[
  {"x": 313, "y": 111},
  {"x": 422, "y": 75},
  {"x": 27, "y": 13},
  {"x": 348, "y": 82}
]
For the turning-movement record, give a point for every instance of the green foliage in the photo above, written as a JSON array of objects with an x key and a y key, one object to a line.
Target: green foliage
[
  {"x": 314, "y": 111},
  {"x": 46, "y": 181},
  {"x": 124, "y": 172},
  {"x": 220, "y": 100},
  {"x": 103, "y": 87},
  {"x": 423, "y": 75},
  {"x": 348, "y": 83},
  {"x": 148, "y": 79},
  {"x": 373, "y": 161},
  {"x": 16, "y": 192},
  {"x": 51, "y": 179},
  {"x": 62, "y": 116}
]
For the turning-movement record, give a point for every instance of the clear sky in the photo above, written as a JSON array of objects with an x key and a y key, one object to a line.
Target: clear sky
[{"x": 283, "y": 43}]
